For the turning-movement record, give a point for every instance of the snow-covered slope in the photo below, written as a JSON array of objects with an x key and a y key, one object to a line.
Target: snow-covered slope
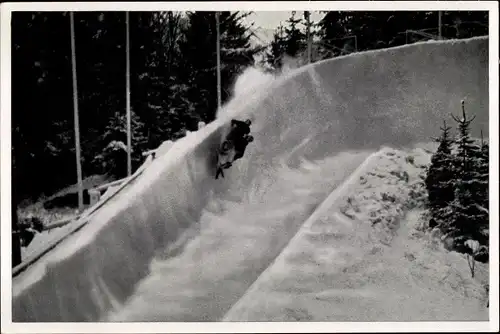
[
  {"x": 312, "y": 128},
  {"x": 366, "y": 257}
]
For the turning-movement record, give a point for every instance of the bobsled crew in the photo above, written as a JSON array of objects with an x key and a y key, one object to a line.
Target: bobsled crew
[{"x": 234, "y": 146}]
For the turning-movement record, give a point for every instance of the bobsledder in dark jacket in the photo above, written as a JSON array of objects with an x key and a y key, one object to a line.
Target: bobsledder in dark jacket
[
  {"x": 239, "y": 150},
  {"x": 239, "y": 130},
  {"x": 241, "y": 146},
  {"x": 240, "y": 137}
]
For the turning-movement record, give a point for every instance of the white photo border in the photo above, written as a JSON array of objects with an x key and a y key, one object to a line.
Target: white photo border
[{"x": 244, "y": 327}]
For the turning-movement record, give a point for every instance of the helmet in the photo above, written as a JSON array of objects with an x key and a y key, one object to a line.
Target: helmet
[
  {"x": 250, "y": 139},
  {"x": 248, "y": 122}
]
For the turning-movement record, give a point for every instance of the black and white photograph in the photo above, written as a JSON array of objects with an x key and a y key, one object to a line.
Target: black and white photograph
[{"x": 241, "y": 167}]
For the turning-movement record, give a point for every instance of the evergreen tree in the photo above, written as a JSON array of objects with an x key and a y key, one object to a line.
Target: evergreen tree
[
  {"x": 112, "y": 158},
  {"x": 198, "y": 50},
  {"x": 483, "y": 185},
  {"x": 468, "y": 216},
  {"x": 464, "y": 24},
  {"x": 43, "y": 133},
  {"x": 172, "y": 87},
  {"x": 155, "y": 75},
  {"x": 288, "y": 40},
  {"x": 440, "y": 179},
  {"x": 380, "y": 29},
  {"x": 332, "y": 30},
  {"x": 369, "y": 29},
  {"x": 484, "y": 171},
  {"x": 295, "y": 39},
  {"x": 42, "y": 124},
  {"x": 100, "y": 61},
  {"x": 277, "y": 48},
  {"x": 332, "y": 26}
]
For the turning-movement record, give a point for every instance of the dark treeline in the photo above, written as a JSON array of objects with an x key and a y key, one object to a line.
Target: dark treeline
[
  {"x": 339, "y": 33},
  {"x": 172, "y": 75},
  {"x": 173, "y": 87}
]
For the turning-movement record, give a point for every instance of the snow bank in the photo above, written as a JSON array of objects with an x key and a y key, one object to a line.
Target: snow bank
[
  {"x": 163, "y": 148},
  {"x": 360, "y": 102},
  {"x": 236, "y": 237},
  {"x": 97, "y": 268},
  {"x": 384, "y": 194},
  {"x": 41, "y": 240},
  {"x": 364, "y": 260}
]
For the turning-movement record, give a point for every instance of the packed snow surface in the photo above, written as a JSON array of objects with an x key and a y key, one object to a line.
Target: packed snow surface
[
  {"x": 178, "y": 245},
  {"x": 367, "y": 258}
]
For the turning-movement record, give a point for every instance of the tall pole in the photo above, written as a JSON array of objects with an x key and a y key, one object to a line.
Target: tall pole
[
  {"x": 308, "y": 25},
  {"x": 439, "y": 25},
  {"x": 75, "y": 110},
  {"x": 217, "y": 24},
  {"x": 127, "y": 75}
]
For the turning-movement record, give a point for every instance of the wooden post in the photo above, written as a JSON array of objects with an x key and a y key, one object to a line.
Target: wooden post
[
  {"x": 219, "y": 98},
  {"x": 75, "y": 110},
  {"x": 95, "y": 196},
  {"x": 127, "y": 75}
]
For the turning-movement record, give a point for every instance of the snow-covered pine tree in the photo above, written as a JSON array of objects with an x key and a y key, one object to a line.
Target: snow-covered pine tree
[
  {"x": 483, "y": 187},
  {"x": 295, "y": 37},
  {"x": 156, "y": 66},
  {"x": 440, "y": 180},
  {"x": 274, "y": 57},
  {"x": 114, "y": 153},
  {"x": 467, "y": 216}
]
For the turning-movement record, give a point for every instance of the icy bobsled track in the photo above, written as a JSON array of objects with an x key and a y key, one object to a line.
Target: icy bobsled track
[{"x": 178, "y": 245}]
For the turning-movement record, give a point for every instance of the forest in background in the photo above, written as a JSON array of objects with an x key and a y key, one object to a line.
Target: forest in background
[{"x": 172, "y": 75}]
